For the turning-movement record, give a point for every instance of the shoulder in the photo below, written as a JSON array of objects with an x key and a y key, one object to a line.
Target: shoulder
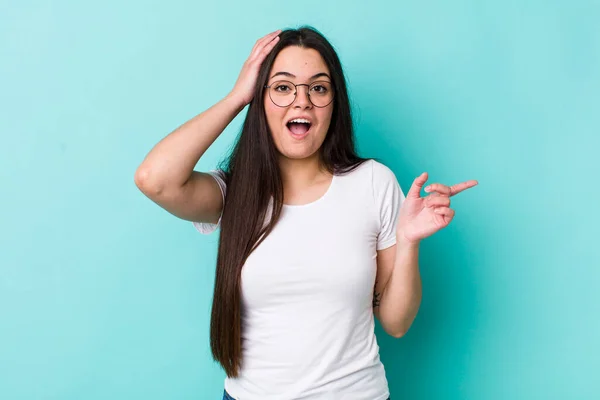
[
  {"x": 371, "y": 173},
  {"x": 385, "y": 184},
  {"x": 381, "y": 174}
]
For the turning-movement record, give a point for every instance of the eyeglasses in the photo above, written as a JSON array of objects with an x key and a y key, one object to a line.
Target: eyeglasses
[{"x": 283, "y": 93}]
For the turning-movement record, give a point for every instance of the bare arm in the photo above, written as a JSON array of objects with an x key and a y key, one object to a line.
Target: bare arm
[
  {"x": 397, "y": 295},
  {"x": 167, "y": 175}
]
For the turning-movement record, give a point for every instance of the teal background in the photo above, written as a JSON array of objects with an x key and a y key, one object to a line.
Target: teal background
[{"x": 104, "y": 295}]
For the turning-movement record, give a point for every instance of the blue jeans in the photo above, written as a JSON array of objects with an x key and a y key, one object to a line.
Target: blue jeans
[{"x": 226, "y": 396}]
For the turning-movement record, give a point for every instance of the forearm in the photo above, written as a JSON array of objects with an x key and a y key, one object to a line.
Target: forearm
[
  {"x": 401, "y": 296},
  {"x": 172, "y": 160}
]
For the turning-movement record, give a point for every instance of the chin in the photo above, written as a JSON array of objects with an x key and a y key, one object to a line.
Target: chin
[{"x": 296, "y": 154}]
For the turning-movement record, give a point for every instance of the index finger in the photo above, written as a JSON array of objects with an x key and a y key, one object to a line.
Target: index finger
[
  {"x": 451, "y": 190},
  {"x": 462, "y": 186},
  {"x": 260, "y": 42}
]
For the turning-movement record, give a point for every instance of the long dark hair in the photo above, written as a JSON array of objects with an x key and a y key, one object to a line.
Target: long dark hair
[{"x": 253, "y": 178}]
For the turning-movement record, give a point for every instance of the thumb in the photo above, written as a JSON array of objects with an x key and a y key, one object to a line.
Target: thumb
[{"x": 415, "y": 189}]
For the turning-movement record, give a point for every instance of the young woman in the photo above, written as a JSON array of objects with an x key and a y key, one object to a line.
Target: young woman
[{"x": 315, "y": 241}]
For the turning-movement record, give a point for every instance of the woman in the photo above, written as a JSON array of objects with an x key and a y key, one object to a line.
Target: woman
[{"x": 315, "y": 241}]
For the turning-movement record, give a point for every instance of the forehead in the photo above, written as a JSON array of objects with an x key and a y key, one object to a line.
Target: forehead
[{"x": 299, "y": 61}]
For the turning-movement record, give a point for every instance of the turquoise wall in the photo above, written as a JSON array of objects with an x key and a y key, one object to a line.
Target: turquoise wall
[{"x": 104, "y": 295}]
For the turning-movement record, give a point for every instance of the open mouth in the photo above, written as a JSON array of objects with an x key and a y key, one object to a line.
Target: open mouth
[{"x": 298, "y": 128}]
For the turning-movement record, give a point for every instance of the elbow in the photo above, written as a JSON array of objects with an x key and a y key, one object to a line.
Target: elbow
[
  {"x": 398, "y": 334},
  {"x": 145, "y": 183},
  {"x": 401, "y": 329},
  {"x": 397, "y": 331},
  {"x": 140, "y": 177},
  {"x": 394, "y": 329}
]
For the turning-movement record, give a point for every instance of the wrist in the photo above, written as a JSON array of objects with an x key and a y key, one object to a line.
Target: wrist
[
  {"x": 403, "y": 241},
  {"x": 236, "y": 100}
]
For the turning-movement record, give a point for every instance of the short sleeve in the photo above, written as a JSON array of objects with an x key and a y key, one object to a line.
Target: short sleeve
[
  {"x": 206, "y": 227},
  {"x": 388, "y": 199}
]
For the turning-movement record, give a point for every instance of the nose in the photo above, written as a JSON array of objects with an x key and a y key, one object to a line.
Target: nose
[{"x": 302, "y": 100}]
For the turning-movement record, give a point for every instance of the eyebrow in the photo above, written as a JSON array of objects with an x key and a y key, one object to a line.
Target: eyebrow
[{"x": 293, "y": 76}]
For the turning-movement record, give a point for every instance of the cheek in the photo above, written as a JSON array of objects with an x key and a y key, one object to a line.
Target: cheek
[
  {"x": 274, "y": 115},
  {"x": 325, "y": 117}
]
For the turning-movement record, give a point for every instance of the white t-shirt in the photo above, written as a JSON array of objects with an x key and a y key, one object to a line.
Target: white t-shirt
[{"x": 307, "y": 292}]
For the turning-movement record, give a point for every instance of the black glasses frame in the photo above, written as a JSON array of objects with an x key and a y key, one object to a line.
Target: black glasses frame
[{"x": 296, "y": 92}]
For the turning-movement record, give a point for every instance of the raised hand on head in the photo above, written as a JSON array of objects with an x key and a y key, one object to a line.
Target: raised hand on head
[{"x": 246, "y": 82}]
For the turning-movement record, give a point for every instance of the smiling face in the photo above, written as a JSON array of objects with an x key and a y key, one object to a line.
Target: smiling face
[{"x": 299, "y": 66}]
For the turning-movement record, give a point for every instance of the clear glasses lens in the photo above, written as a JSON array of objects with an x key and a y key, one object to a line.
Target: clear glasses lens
[{"x": 283, "y": 93}]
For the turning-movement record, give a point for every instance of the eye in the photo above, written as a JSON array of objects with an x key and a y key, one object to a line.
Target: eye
[
  {"x": 282, "y": 88},
  {"x": 321, "y": 89}
]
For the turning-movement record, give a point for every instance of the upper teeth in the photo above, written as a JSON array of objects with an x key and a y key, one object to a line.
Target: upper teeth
[{"x": 300, "y": 120}]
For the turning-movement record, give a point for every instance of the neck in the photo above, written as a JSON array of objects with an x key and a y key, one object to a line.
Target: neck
[{"x": 301, "y": 173}]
